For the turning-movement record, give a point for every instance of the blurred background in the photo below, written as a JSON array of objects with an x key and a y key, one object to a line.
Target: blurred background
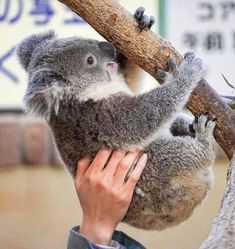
[{"x": 38, "y": 203}]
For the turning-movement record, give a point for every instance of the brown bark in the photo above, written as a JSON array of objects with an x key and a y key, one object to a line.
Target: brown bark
[
  {"x": 149, "y": 50},
  {"x": 222, "y": 234}
]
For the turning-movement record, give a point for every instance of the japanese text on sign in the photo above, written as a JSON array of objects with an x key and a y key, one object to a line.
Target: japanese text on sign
[
  {"x": 207, "y": 28},
  {"x": 214, "y": 40}
]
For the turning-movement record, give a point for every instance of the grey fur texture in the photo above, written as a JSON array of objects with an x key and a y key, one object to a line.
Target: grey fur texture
[{"x": 74, "y": 84}]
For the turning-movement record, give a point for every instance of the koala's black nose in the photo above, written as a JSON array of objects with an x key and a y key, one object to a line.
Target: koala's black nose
[{"x": 108, "y": 49}]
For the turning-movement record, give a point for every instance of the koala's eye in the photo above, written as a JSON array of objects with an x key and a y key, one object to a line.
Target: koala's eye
[{"x": 90, "y": 60}]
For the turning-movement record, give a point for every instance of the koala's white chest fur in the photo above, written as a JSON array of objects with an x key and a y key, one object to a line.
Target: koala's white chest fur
[{"x": 105, "y": 89}]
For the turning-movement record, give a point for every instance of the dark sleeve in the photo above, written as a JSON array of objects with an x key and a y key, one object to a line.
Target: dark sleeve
[
  {"x": 126, "y": 241},
  {"x": 77, "y": 241}
]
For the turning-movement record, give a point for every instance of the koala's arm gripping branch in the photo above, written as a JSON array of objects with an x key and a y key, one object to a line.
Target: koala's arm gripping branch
[{"x": 149, "y": 50}]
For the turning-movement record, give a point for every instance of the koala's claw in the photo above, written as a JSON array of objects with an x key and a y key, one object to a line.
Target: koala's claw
[
  {"x": 139, "y": 13},
  {"x": 189, "y": 57},
  {"x": 196, "y": 119},
  {"x": 162, "y": 73},
  {"x": 151, "y": 21},
  {"x": 171, "y": 64},
  {"x": 214, "y": 119},
  {"x": 144, "y": 21},
  {"x": 189, "y": 54},
  {"x": 204, "y": 125}
]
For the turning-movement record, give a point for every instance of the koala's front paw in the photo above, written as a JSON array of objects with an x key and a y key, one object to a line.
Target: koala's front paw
[
  {"x": 204, "y": 125},
  {"x": 191, "y": 69},
  {"x": 144, "y": 21},
  {"x": 172, "y": 69},
  {"x": 189, "y": 72}
]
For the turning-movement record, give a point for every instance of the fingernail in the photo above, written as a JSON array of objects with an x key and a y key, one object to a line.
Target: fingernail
[{"x": 144, "y": 158}]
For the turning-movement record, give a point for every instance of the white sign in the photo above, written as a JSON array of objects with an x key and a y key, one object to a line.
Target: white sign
[
  {"x": 208, "y": 28},
  {"x": 19, "y": 18}
]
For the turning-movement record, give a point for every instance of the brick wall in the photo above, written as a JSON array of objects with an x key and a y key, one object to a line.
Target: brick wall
[{"x": 27, "y": 141}]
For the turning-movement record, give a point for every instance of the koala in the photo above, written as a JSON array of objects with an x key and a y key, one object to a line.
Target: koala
[{"x": 84, "y": 89}]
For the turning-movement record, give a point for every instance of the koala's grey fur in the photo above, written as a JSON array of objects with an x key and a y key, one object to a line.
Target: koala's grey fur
[{"x": 91, "y": 107}]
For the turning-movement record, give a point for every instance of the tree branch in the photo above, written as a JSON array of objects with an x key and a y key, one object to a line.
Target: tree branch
[{"x": 149, "y": 50}]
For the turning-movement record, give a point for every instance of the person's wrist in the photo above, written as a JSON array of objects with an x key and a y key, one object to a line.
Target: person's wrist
[{"x": 97, "y": 232}]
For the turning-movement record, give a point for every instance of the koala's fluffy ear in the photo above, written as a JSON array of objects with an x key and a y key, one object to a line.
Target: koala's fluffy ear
[
  {"x": 44, "y": 93},
  {"x": 26, "y": 47}
]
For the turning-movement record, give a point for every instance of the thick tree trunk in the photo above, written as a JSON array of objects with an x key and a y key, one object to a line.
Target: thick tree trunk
[
  {"x": 149, "y": 50},
  {"x": 222, "y": 235}
]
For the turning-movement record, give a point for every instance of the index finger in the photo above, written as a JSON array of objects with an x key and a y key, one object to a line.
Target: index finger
[
  {"x": 99, "y": 161},
  {"x": 136, "y": 173},
  {"x": 82, "y": 166}
]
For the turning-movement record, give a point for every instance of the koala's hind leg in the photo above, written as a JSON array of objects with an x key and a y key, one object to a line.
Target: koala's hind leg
[
  {"x": 184, "y": 153},
  {"x": 193, "y": 151},
  {"x": 176, "y": 178}
]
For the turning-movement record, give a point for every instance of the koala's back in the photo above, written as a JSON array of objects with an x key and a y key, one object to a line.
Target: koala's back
[{"x": 73, "y": 137}]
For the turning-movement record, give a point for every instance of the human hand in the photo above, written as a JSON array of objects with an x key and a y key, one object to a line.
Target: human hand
[{"x": 104, "y": 191}]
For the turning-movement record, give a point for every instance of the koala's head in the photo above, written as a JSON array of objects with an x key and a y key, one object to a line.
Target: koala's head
[
  {"x": 59, "y": 68},
  {"x": 79, "y": 62}
]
